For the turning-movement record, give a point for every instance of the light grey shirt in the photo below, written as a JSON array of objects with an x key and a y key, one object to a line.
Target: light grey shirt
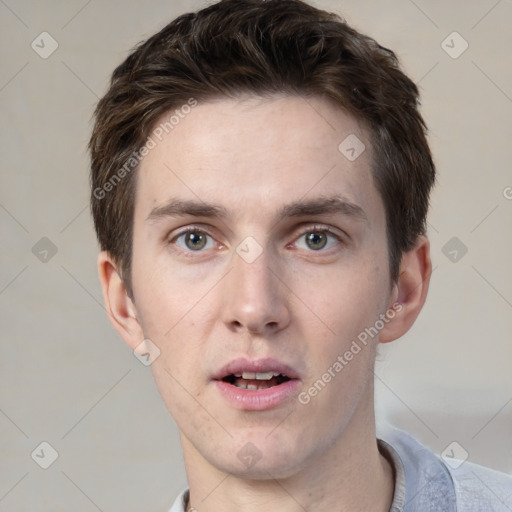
[{"x": 425, "y": 482}]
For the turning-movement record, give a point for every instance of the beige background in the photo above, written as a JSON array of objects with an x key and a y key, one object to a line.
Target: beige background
[{"x": 66, "y": 377}]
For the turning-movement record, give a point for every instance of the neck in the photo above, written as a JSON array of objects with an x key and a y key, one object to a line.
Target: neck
[{"x": 351, "y": 475}]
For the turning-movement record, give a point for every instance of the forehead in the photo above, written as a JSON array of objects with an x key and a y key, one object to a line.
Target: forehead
[{"x": 254, "y": 155}]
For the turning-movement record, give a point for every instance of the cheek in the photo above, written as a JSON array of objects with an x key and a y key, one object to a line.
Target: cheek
[
  {"x": 166, "y": 294},
  {"x": 179, "y": 371},
  {"x": 344, "y": 298}
]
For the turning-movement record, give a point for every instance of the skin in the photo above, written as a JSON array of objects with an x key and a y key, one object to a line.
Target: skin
[{"x": 203, "y": 308}]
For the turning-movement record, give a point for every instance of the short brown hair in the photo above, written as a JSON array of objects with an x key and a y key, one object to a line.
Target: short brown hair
[{"x": 264, "y": 48}]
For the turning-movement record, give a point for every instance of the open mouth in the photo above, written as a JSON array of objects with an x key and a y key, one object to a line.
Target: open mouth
[
  {"x": 257, "y": 385},
  {"x": 255, "y": 381}
]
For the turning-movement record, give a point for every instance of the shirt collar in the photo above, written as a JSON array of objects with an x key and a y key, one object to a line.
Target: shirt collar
[{"x": 422, "y": 482}]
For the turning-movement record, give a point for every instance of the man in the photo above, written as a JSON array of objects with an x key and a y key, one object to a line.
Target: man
[{"x": 260, "y": 184}]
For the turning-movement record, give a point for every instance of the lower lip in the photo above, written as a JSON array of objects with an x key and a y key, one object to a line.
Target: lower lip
[{"x": 258, "y": 399}]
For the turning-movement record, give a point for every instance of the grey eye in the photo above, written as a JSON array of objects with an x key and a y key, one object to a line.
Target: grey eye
[
  {"x": 316, "y": 241},
  {"x": 195, "y": 241}
]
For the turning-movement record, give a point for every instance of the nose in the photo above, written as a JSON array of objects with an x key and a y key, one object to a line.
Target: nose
[{"x": 254, "y": 298}]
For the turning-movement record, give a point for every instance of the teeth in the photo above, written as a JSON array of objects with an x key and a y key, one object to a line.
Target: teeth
[
  {"x": 248, "y": 380},
  {"x": 258, "y": 376},
  {"x": 251, "y": 387}
]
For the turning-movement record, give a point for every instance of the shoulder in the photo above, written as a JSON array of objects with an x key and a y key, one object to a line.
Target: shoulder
[
  {"x": 180, "y": 503},
  {"x": 433, "y": 483},
  {"x": 480, "y": 488}
]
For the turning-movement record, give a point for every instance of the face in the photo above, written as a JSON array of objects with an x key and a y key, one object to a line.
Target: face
[{"x": 259, "y": 257}]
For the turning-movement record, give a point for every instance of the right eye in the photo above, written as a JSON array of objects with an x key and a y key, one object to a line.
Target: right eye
[{"x": 194, "y": 240}]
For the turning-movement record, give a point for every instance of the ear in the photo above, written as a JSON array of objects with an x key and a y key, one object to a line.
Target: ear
[
  {"x": 409, "y": 292},
  {"x": 120, "y": 307}
]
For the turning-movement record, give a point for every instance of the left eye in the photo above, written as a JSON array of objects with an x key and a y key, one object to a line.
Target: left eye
[
  {"x": 195, "y": 241},
  {"x": 317, "y": 240}
]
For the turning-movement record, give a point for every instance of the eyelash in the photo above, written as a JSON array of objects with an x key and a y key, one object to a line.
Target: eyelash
[
  {"x": 311, "y": 229},
  {"x": 185, "y": 231},
  {"x": 320, "y": 229}
]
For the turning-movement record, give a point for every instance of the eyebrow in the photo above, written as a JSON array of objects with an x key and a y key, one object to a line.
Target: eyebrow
[
  {"x": 301, "y": 208},
  {"x": 322, "y": 206},
  {"x": 182, "y": 208}
]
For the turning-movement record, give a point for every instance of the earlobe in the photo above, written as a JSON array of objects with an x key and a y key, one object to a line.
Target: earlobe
[
  {"x": 120, "y": 308},
  {"x": 410, "y": 291}
]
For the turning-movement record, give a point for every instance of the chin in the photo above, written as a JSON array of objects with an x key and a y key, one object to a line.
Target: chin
[{"x": 259, "y": 458}]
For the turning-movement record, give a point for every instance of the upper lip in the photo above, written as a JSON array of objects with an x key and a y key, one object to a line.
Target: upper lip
[{"x": 241, "y": 365}]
